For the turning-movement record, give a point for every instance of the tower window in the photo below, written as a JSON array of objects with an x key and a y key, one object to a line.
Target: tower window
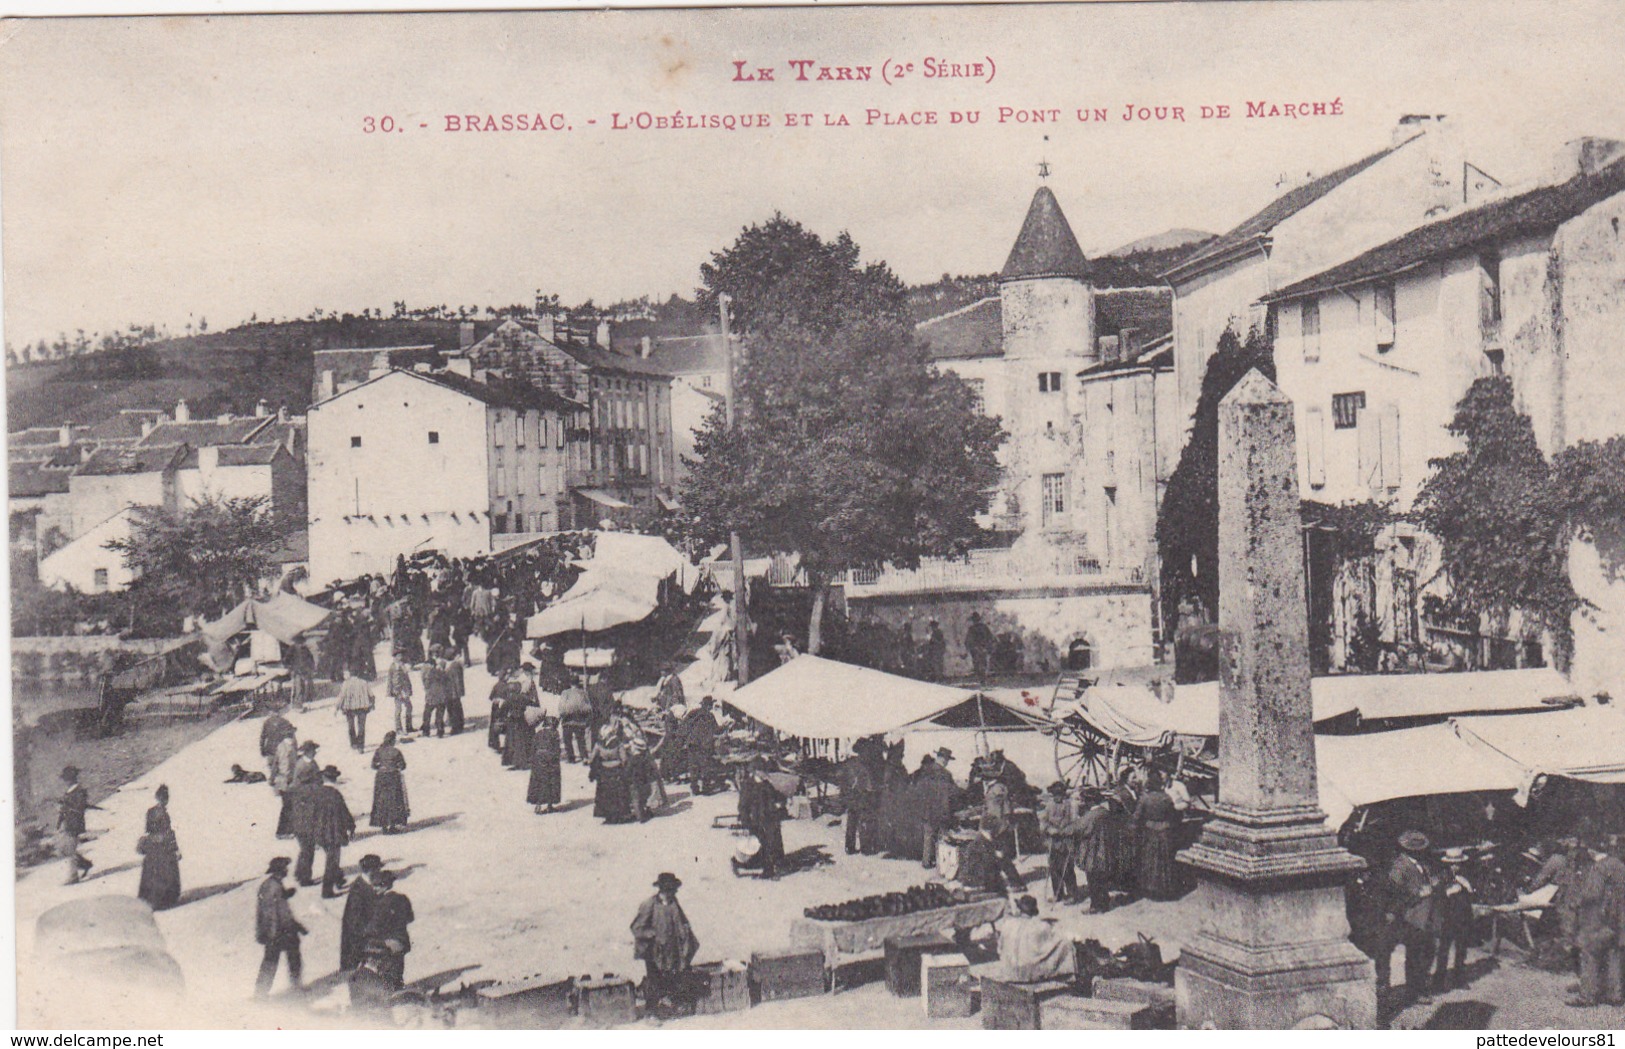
[{"x": 1049, "y": 382}]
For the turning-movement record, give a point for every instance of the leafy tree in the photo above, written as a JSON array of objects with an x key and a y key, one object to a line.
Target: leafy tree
[
  {"x": 203, "y": 560},
  {"x": 1502, "y": 517},
  {"x": 1188, "y": 524},
  {"x": 849, "y": 448}
]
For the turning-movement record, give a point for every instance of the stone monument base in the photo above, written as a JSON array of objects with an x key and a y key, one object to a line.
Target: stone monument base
[{"x": 1272, "y": 951}]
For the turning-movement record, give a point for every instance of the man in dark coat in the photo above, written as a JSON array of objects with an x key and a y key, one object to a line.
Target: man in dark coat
[
  {"x": 575, "y": 722},
  {"x": 665, "y": 943},
  {"x": 1600, "y": 928},
  {"x": 860, "y": 791},
  {"x": 1103, "y": 849},
  {"x": 602, "y": 699},
  {"x": 761, "y": 811},
  {"x": 1410, "y": 886},
  {"x": 307, "y": 780},
  {"x": 332, "y": 827},
  {"x": 358, "y": 906},
  {"x": 979, "y": 645},
  {"x": 70, "y": 823},
  {"x": 387, "y": 931},
  {"x": 934, "y": 792},
  {"x": 700, "y": 746},
  {"x": 984, "y": 865},
  {"x": 275, "y": 928},
  {"x": 934, "y": 653},
  {"x": 275, "y": 729},
  {"x": 456, "y": 689}
]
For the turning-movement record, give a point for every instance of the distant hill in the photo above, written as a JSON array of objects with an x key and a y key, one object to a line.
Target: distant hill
[
  {"x": 1169, "y": 240},
  {"x": 227, "y": 371}
]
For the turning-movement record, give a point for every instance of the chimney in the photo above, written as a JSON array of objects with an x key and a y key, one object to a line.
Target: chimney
[
  {"x": 183, "y": 414},
  {"x": 282, "y": 414},
  {"x": 645, "y": 347},
  {"x": 261, "y": 409},
  {"x": 460, "y": 366},
  {"x": 1128, "y": 343},
  {"x": 1584, "y": 156},
  {"x": 465, "y": 335},
  {"x": 208, "y": 459},
  {"x": 1109, "y": 349},
  {"x": 85, "y": 452},
  {"x": 223, "y": 418},
  {"x": 600, "y": 335},
  {"x": 326, "y": 389},
  {"x": 561, "y": 327},
  {"x": 64, "y": 434},
  {"x": 147, "y": 426},
  {"x": 380, "y": 366}
]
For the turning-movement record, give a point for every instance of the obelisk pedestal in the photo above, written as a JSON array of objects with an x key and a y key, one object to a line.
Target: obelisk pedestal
[{"x": 1272, "y": 950}]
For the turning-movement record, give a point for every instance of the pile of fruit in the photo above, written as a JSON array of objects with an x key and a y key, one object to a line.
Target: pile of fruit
[{"x": 889, "y": 905}]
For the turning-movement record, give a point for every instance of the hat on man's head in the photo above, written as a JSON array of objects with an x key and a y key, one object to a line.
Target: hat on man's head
[
  {"x": 308, "y": 745},
  {"x": 1058, "y": 788},
  {"x": 330, "y": 772},
  {"x": 384, "y": 879},
  {"x": 372, "y": 862},
  {"x": 667, "y": 880},
  {"x": 1413, "y": 841},
  {"x": 278, "y": 865},
  {"x": 944, "y": 755},
  {"x": 70, "y": 771},
  {"x": 1454, "y": 856},
  {"x": 1028, "y": 906}
]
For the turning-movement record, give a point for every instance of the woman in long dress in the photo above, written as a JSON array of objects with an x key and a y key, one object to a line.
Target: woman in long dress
[
  {"x": 161, "y": 857},
  {"x": 612, "y": 802},
  {"x": 546, "y": 785},
  {"x": 1156, "y": 819},
  {"x": 389, "y": 808}
]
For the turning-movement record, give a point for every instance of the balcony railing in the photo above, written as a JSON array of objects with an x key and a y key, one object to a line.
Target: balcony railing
[{"x": 992, "y": 568}]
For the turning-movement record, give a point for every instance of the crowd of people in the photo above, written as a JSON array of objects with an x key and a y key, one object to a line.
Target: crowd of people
[{"x": 1423, "y": 900}]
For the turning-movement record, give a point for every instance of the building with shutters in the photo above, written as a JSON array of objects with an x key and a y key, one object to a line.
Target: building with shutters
[
  {"x": 1376, "y": 350},
  {"x": 413, "y": 460}
]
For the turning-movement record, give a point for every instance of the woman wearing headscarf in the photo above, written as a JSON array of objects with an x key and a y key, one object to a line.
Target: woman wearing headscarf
[
  {"x": 389, "y": 808},
  {"x": 161, "y": 857},
  {"x": 546, "y": 779},
  {"x": 1155, "y": 819},
  {"x": 612, "y": 801}
]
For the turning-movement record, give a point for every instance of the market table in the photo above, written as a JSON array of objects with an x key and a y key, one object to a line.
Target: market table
[{"x": 836, "y": 938}]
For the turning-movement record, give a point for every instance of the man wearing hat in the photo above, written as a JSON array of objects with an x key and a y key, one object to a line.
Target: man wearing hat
[
  {"x": 355, "y": 703},
  {"x": 934, "y": 653},
  {"x": 301, "y": 800},
  {"x": 1058, "y": 819},
  {"x": 387, "y": 937},
  {"x": 761, "y": 811},
  {"x": 861, "y": 776},
  {"x": 979, "y": 644},
  {"x": 358, "y": 901},
  {"x": 664, "y": 942},
  {"x": 1453, "y": 920},
  {"x": 276, "y": 929},
  {"x": 1411, "y": 909},
  {"x": 935, "y": 794},
  {"x": 1599, "y": 930},
  {"x": 331, "y": 826},
  {"x": 70, "y": 823}
]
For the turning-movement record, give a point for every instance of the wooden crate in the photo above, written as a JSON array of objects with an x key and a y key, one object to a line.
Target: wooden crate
[
  {"x": 607, "y": 1001},
  {"x": 903, "y": 954},
  {"x": 535, "y": 1001},
  {"x": 1075, "y": 1013},
  {"x": 726, "y": 990},
  {"x": 790, "y": 973},
  {"x": 1011, "y": 1006},
  {"x": 1160, "y": 997},
  {"x": 946, "y": 982}
]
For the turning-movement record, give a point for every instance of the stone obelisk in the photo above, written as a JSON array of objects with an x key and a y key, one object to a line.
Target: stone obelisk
[{"x": 1272, "y": 949}]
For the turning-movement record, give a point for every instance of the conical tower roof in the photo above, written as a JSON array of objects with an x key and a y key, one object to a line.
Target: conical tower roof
[{"x": 1046, "y": 246}]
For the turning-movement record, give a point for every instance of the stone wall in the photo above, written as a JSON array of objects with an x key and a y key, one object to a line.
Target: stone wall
[
  {"x": 1115, "y": 621},
  {"x": 76, "y": 658}
]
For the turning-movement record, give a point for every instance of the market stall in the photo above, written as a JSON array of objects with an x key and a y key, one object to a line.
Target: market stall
[
  {"x": 285, "y": 618},
  {"x": 1361, "y": 770},
  {"x": 843, "y": 939},
  {"x": 1584, "y": 743}
]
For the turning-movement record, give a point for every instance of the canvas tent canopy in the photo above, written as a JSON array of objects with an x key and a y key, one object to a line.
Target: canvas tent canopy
[
  {"x": 286, "y": 617},
  {"x": 816, "y": 698},
  {"x": 1359, "y": 770},
  {"x": 1584, "y": 743},
  {"x": 645, "y": 554},
  {"x": 600, "y": 598}
]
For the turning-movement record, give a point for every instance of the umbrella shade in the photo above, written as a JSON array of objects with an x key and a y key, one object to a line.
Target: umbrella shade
[{"x": 594, "y": 610}]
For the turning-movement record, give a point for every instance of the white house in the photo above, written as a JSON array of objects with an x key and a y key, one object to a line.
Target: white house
[
  {"x": 419, "y": 460},
  {"x": 1422, "y": 173},
  {"x": 84, "y": 562}
]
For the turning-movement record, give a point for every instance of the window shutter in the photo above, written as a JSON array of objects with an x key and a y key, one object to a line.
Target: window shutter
[
  {"x": 1390, "y": 446},
  {"x": 1315, "y": 441}
]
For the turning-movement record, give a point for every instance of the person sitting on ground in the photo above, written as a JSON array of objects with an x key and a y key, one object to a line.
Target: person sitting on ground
[
  {"x": 985, "y": 866},
  {"x": 1030, "y": 949}
]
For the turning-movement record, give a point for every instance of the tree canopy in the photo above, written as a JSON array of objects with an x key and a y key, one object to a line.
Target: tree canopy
[
  {"x": 1188, "y": 524},
  {"x": 203, "y": 560},
  {"x": 849, "y": 448},
  {"x": 1501, "y": 517}
]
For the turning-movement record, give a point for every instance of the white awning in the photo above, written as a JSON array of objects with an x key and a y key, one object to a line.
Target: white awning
[
  {"x": 817, "y": 698},
  {"x": 1585, "y": 743},
  {"x": 603, "y": 498},
  {"x": 1364, "y": 769}
]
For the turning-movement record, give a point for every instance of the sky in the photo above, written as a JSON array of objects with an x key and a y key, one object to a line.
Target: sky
[{"x": 161, "y": 169}]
